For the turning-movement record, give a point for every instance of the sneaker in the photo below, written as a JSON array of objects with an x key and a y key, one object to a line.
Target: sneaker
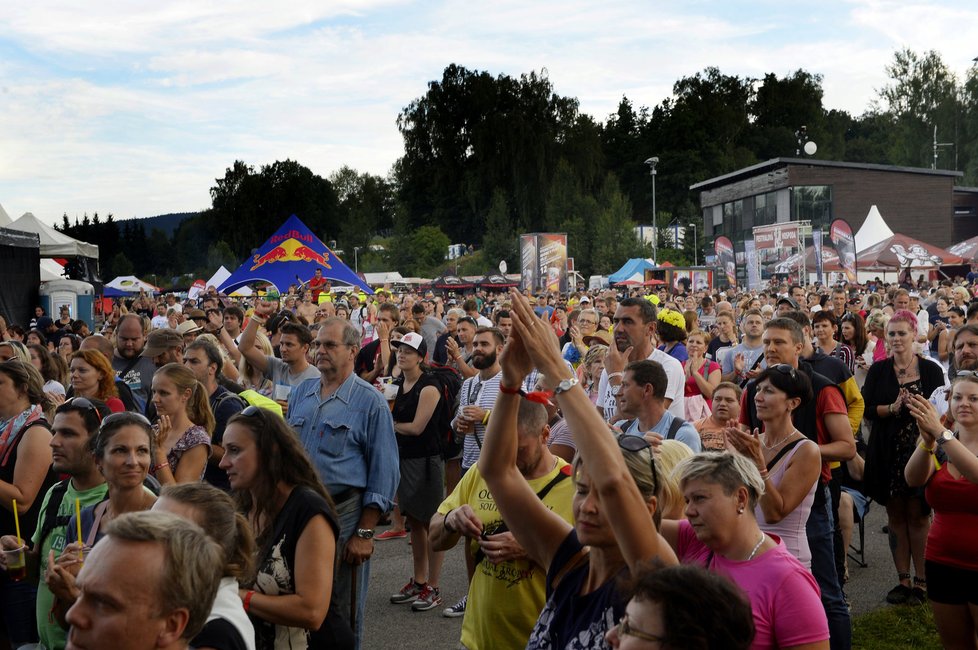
[
  {"x": 457, "y": 610},
  {"x": 917, "y": 596},
  {"x": 899, "y": 595},
  {"x": 408, "y": 593},
  {"x": 429, "y": 598},
  {"x": 391, "y": 534}
]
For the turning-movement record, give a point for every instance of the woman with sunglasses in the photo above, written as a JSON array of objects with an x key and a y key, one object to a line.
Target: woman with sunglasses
[
  {"x": 123, "y": 451},
  {"x": 945, "y": 463},
  {"x": 92, "y": 376},
  {"x": 279, "y": 492},
  {"x": 613, "y": 506},
  {"x": 183, "y": 442},
  {"x": 25, "y": 438},
  {"x": 788, "y": 462},
  {"x": 721, "y": 533},
  {"x": 890, "y": 384}
]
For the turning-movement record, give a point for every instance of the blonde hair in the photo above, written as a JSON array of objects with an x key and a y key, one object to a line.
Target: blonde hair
[
  {"x": 198, "y": 406},
  {"x": 670, "y": 454},
  {"x": 246, "y": 371}
]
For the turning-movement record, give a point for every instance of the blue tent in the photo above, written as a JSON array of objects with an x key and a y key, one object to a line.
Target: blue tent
[
  {"x": 633, "y": 269},
  {"x": 291, "y": 256}
]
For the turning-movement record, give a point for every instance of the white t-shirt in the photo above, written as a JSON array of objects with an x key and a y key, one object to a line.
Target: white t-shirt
[
  {"x": 675, "y": 390},
  {"x": 160, "y": 322}
]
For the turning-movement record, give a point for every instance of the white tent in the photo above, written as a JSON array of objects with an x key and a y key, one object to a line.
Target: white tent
[
  {"x": 219, "y": 277},
  {"x": 131, "y": 284},
  {"x": 4, "y": 218},
  {"x": 386, "y": 277},
  {"x": 873, "y": 231},
  {"x": 54, "y": 243}
]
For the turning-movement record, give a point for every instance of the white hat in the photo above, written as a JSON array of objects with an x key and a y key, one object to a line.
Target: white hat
[{"x": 414, "y": 341}]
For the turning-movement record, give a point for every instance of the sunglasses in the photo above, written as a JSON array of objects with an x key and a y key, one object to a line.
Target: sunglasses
[
  {"x": 625, "y": 629},
  {"x": 79, "y": 403},
  {"x": 468, "y": 319},
  {"x": 966, "y": 373},
  {"x": 785, "y": 369},
  {"x": 636, "y": 444},
  {"x": 127, "y": 417}
]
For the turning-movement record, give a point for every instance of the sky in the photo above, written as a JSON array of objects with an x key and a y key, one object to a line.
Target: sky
[{"x": 134, "y": 108}]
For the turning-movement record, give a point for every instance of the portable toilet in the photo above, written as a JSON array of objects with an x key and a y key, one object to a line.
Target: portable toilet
[{"x": 77, "y": 295}]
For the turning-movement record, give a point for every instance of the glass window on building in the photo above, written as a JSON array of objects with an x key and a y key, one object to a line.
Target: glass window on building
[
  {"x": 812, "y": 203},
  {"x": 765, "y": 209}
]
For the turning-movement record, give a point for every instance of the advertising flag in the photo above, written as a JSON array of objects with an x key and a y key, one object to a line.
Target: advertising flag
[
  {"x": 725, "y": 258},
  {"x": 817, "y": 245},
  {"x": 840, "y": 233}
]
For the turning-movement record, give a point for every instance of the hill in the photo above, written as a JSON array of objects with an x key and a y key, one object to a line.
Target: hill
[{"x": 168, "y": 223}]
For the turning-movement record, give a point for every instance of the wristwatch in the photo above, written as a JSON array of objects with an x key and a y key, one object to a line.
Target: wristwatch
[
  {"x": 365, "y": 533},
  {"x": 565, "y": 385},
  {"x": 945, "y": 436}
]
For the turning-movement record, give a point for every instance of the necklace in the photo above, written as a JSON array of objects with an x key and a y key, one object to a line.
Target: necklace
[
  {"x": 903, "y": 371},
  {"x": 754, "y": 552},
  {"x": 778, "y": 444}
]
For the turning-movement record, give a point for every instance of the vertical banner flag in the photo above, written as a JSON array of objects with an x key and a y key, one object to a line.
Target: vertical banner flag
[
  {"x": 528, "y": 262},
  {"x": 552, "y": 252},
  {"x": 725, "y": 258},
  {"x": 817, "y": 245},
  {"x": 840, "y": 233},
  {"x": 753, "y": 265}
]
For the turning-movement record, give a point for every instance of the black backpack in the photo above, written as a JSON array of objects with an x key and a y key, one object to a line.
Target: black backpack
[{"x": 449, "y": 382}]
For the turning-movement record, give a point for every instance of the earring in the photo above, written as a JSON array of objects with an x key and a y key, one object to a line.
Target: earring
[{"x": 740, "y": 510}]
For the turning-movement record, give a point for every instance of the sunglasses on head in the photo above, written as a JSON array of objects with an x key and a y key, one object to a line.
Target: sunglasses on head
[
  {"x": 636, "y": 444},
  {"x": 127, "y": 417},
  {"x": 967, "y": 373},
  {"x": 79, "y": 403},
  {"x": 785, "y": 369}
]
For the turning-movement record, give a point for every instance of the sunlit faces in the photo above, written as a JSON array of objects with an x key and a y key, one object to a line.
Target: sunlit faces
[
  {"x": 964, "y": 402},
  {"x": 848, "y": 332},
  {"x": 642, "y": 622},
  {"x": 823, "y": 330},
  {"x": 466, "y": 332},
  {"x": 333, "y": 357},
  {"x": 84, "y": 378},
  {"x": 485, "y": 352},
  {"x": 772, "y": 402},
  {"x": 129, "y": 338},
  {"x": 726, "y": 406},
  {"x": 899, "y": 335},
  {"x": 167, "y": 398},
  {"x": 711, "y": 512},
  {"x": 291, "y": 348},
  {"x": 70, "y": 453},
  {"x": 240, "y": 459},
  {"x": 591, "y": 525},
  {"x": 966, "y": 351},
  {"x": 779, "y": 347},
  {"x": 407, "y": 357},
  {"x": 696, "y": 345},
  {"x": 126, "y": 459},
  {"x": 198, "y": 363},
  {"x": 630, "y": 331},
  {"x": 632, "y": 394},
  {"x": 753, "y": 326}
]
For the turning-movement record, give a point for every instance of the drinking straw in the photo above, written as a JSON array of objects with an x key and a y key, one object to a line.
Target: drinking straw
[
  {"x": 17, "y": 524},
  {"x": 78, "y": 524}
]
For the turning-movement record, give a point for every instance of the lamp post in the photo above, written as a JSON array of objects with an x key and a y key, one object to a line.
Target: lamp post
[
  {"x": 696, "y": 244},
  {"x": 356, "y": 259},
  {"x": 652, "y": 162}
]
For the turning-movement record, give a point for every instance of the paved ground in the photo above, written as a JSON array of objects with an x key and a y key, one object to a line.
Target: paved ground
[{"x": 396, "y": 626}]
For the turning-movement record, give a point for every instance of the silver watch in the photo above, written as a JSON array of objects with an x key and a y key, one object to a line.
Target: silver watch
[
  {"x": 365, "y": 533},
  {"x": 565, "y": 385},
  {"x": 946, "y": 436}
]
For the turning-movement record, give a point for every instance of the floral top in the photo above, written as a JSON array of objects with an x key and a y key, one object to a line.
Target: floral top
[{"x": 194, "y": 436}]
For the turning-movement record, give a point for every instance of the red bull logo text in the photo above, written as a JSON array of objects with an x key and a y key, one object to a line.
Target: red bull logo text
[{"x": 291, "y": 250}]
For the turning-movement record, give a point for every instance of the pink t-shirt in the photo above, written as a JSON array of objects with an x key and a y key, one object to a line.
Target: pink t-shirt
[{"x": 783, "y": 595}]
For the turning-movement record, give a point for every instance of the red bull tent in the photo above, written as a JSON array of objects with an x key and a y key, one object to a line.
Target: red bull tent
[{"x": 291, "y": 256}]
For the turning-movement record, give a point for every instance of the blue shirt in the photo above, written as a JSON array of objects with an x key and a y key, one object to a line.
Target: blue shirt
[
  {"x": 349, "y": 437},
  {"x": 687, "y": 434}
]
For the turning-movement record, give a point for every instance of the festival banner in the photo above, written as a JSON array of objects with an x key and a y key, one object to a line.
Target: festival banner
[
  {"x": 817, "y": 245},
  {"x": 840, "y": 233},
  {"x": 753, "y": 265},
  {"x": 528, "y": 262},
  {"x": 552, "y": 252},
  {"x": 725, "y": 258},
  {"x": 778, "y": 236}
]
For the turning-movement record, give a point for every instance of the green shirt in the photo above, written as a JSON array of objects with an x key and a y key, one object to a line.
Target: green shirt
[{"x": 52, "y": 636}]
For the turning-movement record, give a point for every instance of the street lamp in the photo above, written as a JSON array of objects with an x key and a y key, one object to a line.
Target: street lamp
[
  {"x": 652, "y": 162},
  {"x": 696, "y": 244},
  {"x": 356, "y": 259}
]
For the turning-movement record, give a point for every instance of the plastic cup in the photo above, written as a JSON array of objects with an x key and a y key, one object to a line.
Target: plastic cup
[{"x": 16, "y": 563}]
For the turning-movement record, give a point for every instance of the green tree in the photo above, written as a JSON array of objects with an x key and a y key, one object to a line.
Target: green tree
[
  {"x": 218, "y": 255},
  {"x": 120, "y": 265},
  {"x": 614, "y": 231},
  {"x": 500, "y": 240},
  {"x": 429, "y": 245}
]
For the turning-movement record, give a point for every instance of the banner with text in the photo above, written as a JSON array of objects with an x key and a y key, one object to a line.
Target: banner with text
[
  {"x": 753, "y": 266},
  {"x": 840, "y": 232},
  {"x": 725, "y": 258}
]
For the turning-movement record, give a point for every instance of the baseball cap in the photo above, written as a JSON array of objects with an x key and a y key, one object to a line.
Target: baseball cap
[
  {"x": 161, "y": 340},
  {"x": 789, "y": 300},
  {"x": 414, "y": 341},
  {"x": 584, "y": 299}
]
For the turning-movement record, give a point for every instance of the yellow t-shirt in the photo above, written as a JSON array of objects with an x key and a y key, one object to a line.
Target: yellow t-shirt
[{"x": 505, "y": 599}]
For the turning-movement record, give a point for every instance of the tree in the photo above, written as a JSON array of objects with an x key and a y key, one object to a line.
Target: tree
[
  {"x": 500, "y": 240},
  {"x": 614, "y": 232},
  {"x": 120, "y": 265}
]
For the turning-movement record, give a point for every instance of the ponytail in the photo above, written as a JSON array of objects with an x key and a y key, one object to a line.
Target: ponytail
[{"x": 199, "y": 408}]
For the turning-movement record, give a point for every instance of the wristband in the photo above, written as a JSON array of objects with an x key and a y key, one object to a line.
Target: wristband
[
  {"x": 615, "y": 374},
  {"x": 929, "y": 450},
  {"x": 246, "y": 603},
  {"x": 538, "y": 396},
  {"x": 763, "y": 474},
  {"x": 162, "y": 465},
  {"x": 485, "y": 418},
  {"x": 445, "y": 522},
  {"x": 506, "y": 390}
]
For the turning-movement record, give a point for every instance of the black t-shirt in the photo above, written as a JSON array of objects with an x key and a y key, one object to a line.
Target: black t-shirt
[
  {"x": 219, "y": 634},
  {"x": 405, "y": 406},
  {"x": 224, "y": 404},
  {"x": 366, "y": 358}
]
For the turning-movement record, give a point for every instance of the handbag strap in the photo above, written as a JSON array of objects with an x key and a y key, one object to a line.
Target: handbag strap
[{"x": 784, "y": 450}]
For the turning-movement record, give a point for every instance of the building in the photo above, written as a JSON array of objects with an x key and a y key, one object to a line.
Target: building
[{"x": 920, "y": 203}]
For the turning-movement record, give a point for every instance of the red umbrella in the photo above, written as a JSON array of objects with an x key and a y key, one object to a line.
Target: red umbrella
[
  {"x": 902, "y": 252},
  {"x": 628, "y": 283},
  {"x": 968, "y": 249},
  {"x": 651, "y": 282}
]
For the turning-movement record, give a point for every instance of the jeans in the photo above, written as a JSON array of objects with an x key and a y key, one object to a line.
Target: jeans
[
  {"x": 17, "y": 607},
  {"x": 349, "y": 516},
  {"x": 820, "y": 532}
]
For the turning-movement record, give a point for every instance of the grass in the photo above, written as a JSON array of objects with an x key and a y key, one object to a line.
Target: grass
[{"x": 896, "y": 627}]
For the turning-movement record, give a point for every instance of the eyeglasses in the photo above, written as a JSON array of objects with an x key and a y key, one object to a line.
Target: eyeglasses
[
  {"x": 785, "y": 369},
  {"x": 636, "y": 444},
  {"x": 468, "y": 319},
  {"x": 966, "y": 373},
  {"x": 625, "y": 629},
  {"x": 127, "y": 417},
  {"x": 79, "y": 403},
  {"x": 329, "y": 345}
]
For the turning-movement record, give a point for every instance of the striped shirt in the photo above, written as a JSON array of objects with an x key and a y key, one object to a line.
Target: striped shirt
[{"x": 482, "y": 393}]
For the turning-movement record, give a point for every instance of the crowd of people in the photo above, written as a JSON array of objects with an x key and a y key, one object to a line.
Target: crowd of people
[{"x": 625, "y": 470}]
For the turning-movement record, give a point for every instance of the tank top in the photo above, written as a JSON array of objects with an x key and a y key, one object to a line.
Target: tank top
[{"x": 791, "y": 529}]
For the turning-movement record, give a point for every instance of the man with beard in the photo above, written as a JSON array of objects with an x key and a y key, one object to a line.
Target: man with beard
[
  {"x": 965, "y": 346},
  {"x": 76, "y": 422},
  {"x": 475, "y": 401},
  {"x": 508, "y": 591},
  {"x": 635, "y": 322},
  {"x": 135, "y": 370}
]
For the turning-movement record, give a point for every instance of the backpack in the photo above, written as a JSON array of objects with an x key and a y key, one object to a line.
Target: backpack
[
  {"x": 449, "y": 382},
  {"x": 674, "y": 427}
]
